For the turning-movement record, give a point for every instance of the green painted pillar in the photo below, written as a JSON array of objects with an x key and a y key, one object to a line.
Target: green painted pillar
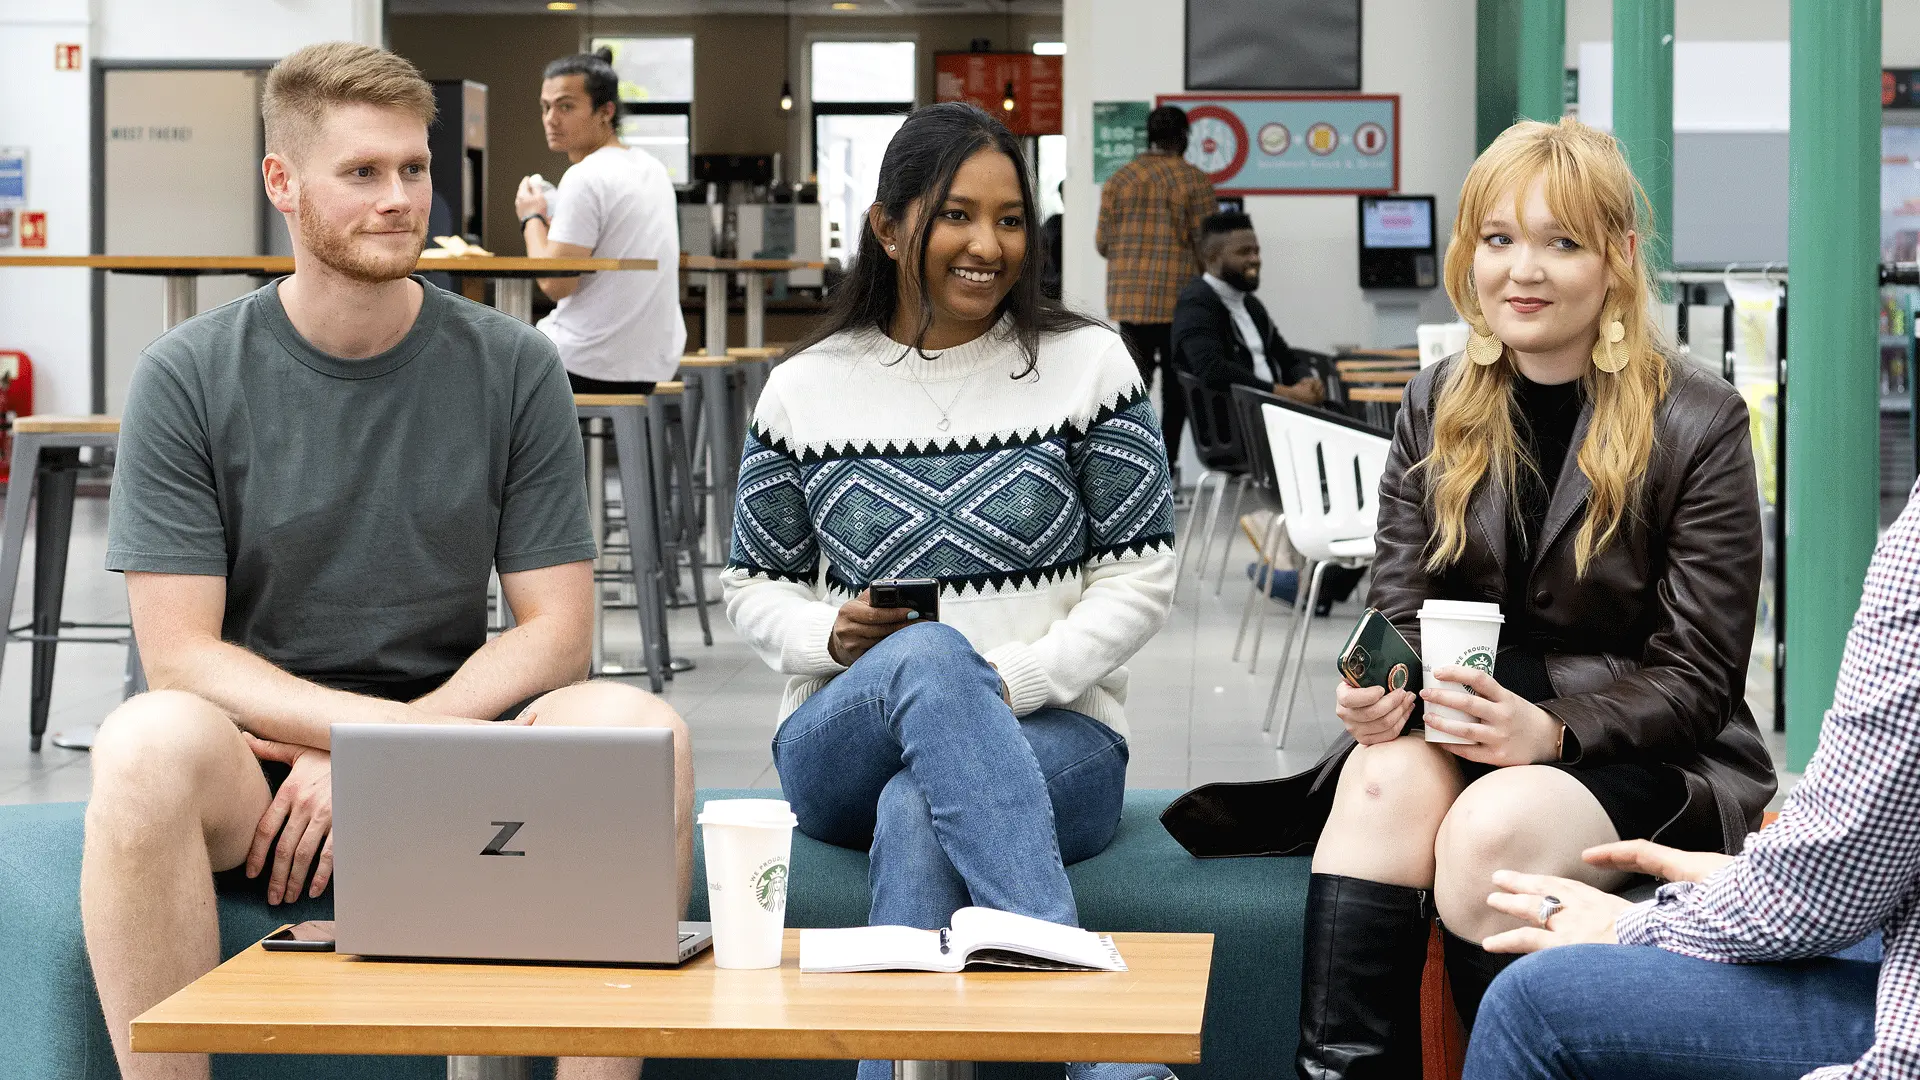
[
  {"x": 1496, "y": 59},
  {"x": 1833, "y": 354},
  {"x": 1543, "y": 59},
  {"x": 1643, "y": 105}
]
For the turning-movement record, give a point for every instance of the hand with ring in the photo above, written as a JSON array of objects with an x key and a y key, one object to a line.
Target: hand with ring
[{"x": 1556, "y": 910}]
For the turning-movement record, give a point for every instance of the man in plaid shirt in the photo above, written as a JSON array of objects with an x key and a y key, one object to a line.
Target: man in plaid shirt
[
  {"x": 1766, "y": 964},
  {"x": 1149, "y": 232}
]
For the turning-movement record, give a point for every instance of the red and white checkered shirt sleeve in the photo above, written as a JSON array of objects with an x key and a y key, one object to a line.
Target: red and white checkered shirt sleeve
[{"x": 1843, "y": 859}]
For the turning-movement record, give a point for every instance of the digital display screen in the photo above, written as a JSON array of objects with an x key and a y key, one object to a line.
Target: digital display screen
[{"x": 1396, "y": 223}]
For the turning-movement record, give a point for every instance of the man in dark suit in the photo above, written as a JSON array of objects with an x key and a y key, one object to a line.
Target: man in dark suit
[
  {"x": 1223, "y": 334},
  {"x": 1221, "y": 331}
]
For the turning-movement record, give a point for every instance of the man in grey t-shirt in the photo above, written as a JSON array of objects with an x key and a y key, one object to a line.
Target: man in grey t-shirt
[{"x": 313, "y": 486}]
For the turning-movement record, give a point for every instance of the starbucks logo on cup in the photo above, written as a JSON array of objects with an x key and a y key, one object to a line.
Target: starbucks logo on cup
[
  {"x": 770, "y": 885},
  {"x": 1479, "y": 658}
]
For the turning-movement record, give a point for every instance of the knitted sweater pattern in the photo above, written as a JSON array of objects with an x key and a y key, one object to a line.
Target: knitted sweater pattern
[{"x": 1041, "y": 504}]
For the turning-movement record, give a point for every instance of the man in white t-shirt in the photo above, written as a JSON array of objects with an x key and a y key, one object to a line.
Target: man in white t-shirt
[{"x": 619, "y": 332}]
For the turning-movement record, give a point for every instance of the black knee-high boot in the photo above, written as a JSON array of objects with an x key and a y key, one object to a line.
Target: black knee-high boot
[
  {"x": 1366, "y": 944},
  {"x": 1470, "y": 970}
]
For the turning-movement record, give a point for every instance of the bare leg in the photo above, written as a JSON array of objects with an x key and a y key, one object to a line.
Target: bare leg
[
  {"x": 176, "y": 796},
  {"x": 1387, "y": 811},
  {"x": 1531, "y": 818},
  {"x": 603, "y": 703}
]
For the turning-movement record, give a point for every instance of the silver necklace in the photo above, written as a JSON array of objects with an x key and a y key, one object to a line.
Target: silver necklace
[{"x": 945, "y": 422}]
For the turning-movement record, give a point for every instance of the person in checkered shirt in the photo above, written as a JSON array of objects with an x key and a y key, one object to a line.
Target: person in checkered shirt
[
  {"x": 1768, "y": 964},
  {"x": 1149, "y": 232}
]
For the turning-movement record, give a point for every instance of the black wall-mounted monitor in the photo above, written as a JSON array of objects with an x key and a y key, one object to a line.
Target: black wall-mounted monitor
[{"x": 1397, "y": 242}]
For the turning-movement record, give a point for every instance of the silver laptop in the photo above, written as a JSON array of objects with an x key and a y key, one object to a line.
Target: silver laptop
[{"x": 488, "y": 842}]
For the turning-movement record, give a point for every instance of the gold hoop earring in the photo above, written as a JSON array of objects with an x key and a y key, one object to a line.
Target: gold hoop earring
[
  {"x": 1609, "y": 352},
  {"x": 1483, "y": 349}
]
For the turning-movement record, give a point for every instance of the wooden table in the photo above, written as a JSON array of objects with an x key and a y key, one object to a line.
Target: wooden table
[
  {"x": 713, "y": 272},
  {"x": 323, "y": 1003},
  {"x": 512, "y": 275}
]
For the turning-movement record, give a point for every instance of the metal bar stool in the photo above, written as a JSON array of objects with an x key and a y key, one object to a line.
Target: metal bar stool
[
  {"x": 673, "y": 519},
  {"x": 677, "y": 517},
  {"x": 714, "y": 386},
  {"x": 46, "y": 461},
  {"x": 628, "y": 414},
  {"x": 755, "y": 363}
]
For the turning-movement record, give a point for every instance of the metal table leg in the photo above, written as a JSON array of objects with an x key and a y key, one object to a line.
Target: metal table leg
[
  {"x": 514, "y": 295},
  {"x": 182, "y": 300},
  {"x": 716, "y": 328},
  {"x": 933, "y": 1070},
  {"x": 26, "y": 461},
  {"x": 754, "y": 282},
  {"x": 52, "y": 533},
  {"x": 486, "y": 1068}
]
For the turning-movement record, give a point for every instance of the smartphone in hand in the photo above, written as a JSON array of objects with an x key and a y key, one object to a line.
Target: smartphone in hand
[
  {"x": 1377, "y": 655},
  {"x": 920, "y": 594}
]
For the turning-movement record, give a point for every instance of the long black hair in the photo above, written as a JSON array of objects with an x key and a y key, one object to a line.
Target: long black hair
[{"x": 919, "y": 165}]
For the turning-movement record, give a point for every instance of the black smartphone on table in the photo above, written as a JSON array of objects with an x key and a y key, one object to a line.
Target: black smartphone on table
[
  {"x": 314, "y": 936},
  {"x": 920, "y": 594}
]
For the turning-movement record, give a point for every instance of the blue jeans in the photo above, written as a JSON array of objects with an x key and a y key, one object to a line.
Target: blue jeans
[
  {"x": 1600, "y": 1012},
  {"x": 912, "y": 754}
]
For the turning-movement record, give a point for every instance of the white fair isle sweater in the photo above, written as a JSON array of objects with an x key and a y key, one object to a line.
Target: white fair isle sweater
[{"x": 1044, "y": 508}]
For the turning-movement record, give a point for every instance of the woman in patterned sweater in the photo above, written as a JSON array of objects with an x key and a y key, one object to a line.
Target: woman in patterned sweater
[{"x": 948, "y": 422}]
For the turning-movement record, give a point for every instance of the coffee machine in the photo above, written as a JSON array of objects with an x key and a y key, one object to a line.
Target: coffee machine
[{"x": 458, "y": 140}]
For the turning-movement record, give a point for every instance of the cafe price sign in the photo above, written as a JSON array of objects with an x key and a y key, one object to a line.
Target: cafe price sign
[
  {"x": 1294, "y": 144},
  {"x": 1119, "y": 135}
]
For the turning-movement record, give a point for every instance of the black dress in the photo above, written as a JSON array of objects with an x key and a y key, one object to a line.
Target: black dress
[{"x": 1639, "y": 798}]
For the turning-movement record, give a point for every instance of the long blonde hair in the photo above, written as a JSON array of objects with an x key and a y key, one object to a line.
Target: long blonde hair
[{"x": 1594, "y": 196}]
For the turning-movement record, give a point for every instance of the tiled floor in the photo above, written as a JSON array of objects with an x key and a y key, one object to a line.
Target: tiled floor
[{"x": 1195, "y": 713}]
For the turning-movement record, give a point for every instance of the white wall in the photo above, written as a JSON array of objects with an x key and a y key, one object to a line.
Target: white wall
[
  {"x": 1745, "y": 20},
  {"x": 48, "y": 313},
  {"x": 1120, "y": 50}
]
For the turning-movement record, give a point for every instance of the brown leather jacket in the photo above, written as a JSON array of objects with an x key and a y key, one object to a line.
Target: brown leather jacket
[{"x": 1647, "y": 653}]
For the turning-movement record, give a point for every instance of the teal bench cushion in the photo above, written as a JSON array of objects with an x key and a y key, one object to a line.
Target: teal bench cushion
[{"x": 1143, "y": 882}]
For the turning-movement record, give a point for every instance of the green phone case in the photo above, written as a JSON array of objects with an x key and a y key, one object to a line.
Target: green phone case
[{"x": 1377, "y": 655}]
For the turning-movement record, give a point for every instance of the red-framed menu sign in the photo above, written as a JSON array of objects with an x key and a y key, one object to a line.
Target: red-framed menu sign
[{"x": 982, "y": 78}]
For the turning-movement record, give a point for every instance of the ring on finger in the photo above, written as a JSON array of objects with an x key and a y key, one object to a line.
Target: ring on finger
[{"x": 1549, "y": 907}]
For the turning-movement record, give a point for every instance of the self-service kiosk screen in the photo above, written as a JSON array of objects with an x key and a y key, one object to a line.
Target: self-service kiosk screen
[{"x": 1396, "y": 223}]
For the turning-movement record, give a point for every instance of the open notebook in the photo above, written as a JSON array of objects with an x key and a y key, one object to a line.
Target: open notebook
[{"x": 979, "y": 937}]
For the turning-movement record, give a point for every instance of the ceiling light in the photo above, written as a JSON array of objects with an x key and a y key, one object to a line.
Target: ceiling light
[
  {"x": 846, "y": 5},
  {"x": 1049, "y": 48},
  {"x": 562, "y": 5},
  {"x": 786, "y": 96},
  {"x": 1007, "y": 102}
]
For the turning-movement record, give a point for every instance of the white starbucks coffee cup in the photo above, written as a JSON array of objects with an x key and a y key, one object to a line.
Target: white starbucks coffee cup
[
  {"x": 1456, "y": 633},
  {"x": 749, "y": 846}
]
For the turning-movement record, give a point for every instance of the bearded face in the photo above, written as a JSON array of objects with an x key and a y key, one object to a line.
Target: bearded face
[
  {"x": 366, "y": 247},
  {"x": 359, "y": 192}
]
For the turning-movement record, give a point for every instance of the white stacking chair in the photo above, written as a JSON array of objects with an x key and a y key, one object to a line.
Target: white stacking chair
[{"x": 1330, "y": 479}]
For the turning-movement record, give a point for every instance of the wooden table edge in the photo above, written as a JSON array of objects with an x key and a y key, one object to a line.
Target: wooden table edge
[
  {"x": 1171, "y": 1046},
  {"x": 819, "y": 1044}
]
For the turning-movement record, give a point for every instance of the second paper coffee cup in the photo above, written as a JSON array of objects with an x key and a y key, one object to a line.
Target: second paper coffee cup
[
  {"x": 1456, "y": 633},
  {"x": 749, "y": 846}
]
